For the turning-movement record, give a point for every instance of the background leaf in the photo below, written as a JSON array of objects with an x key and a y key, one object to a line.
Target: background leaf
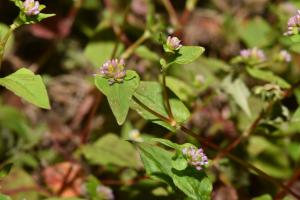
[
  {"x": 238, "y": 91},
  {"x": 101, "y": 152},
  {"x": 187, "y": 54},
  {"x": 27, "y": 85},
  {"x": 267, "y": 76}
]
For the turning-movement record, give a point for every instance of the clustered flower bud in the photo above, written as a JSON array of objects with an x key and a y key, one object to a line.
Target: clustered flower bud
[
  {"x": 293, "y": 26},
  {"x": 135, "y": 135},
  {"x": 105, "y": 192},
  {"x": 195, "y": 157},
  {"x": 173, "y": 43},
  {"x": 269, "y": 92},
  {"x": 114, "y": 70},
  {"x": 253, "y": 54},
  {"x": 284, "y": 56},
  {"x": 31, "y": 7}
]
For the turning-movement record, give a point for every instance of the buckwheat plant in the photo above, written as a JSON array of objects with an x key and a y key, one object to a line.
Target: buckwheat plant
[
  {"x": 23, "y": 82},
  {"x": 185, "y": 166}
]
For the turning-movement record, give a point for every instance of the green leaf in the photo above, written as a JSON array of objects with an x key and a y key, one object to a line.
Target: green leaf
[
  {"x": 91, "y": 185},
  {"x": 157, "y": 161},
  {"x": 5, "y": 170},
  {"x": 4, "y": 197},
  {"x": 110, "y": 149},
  {"x": 64, "y": 198},
  {"x": 256, "y": 32},
  {"x": 180, "y": 88},
  {"x": 27, "y": 85},
  {"x": 158, "y": 164},
  {"x": 193, "y": 183},
  {"x": 166, "y": 142},
  {"x": 150, "y": 94},
  {"x": 263, "y": 197},
  {"x": 98, "y": 52},
  {"x": 179, "y": 162},
  {"x": 267, "y": 76},
  {"x": 239, "y": 92},
  {"x": 18, "y": 178},
  {"x": 187, "y": 54},
  {"x": 269, "y": 157},
  {"x": 146, "y": 53},
  {"x": 119, "y": 94}
]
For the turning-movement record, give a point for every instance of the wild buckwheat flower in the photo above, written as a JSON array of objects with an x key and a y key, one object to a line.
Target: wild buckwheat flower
[
  {"x": 31, "y": 7},
  {"x": 173, "y": 43},
  {"x": 269, "y": 92},
  {"x": 195, "y": 157},
  {"x": 114, "y": 70},
  {"x": 105, "y": 192},
  {"x": 293, "y": 26},
  {"x": 253, "y": 54},
  {"x": 135, "y": 135},
  {"x": 284, "y": 56}
]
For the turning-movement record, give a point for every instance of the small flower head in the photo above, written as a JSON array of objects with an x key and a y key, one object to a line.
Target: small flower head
[
  {"x": 293, "y": 26},
  {"x": 135, "y": 135},
  {"x": 105, "y": 192},
  {"x": 284, "y": 56},
  {"x": 173, "y": 43},
  {"x": 269, "y": 92},
  {"x": 31, "y": 7},
  {"x": 195, "y": 157},
  {"x": 114, "y": 70},
  {"x": 253, "y": 54}
]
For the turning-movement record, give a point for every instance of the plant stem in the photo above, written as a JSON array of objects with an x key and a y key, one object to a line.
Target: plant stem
[
  {"x": 166, "y": 97},
  {"x": 135, "y": 45},
  {"x": 163, "y": 118},
  {"x": 216, "y": 148},
  {"x": 3, "y": 44},
  {"x": 172, "y": 13},
  {"x": 5, "y": 39}
]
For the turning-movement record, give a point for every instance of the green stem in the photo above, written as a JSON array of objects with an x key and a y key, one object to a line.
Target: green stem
[
  {"x": 172, "y": 13},
  {"x": 3, "y": 42},
  {"x": 166, "y": 98},
  {"x": 135, "y": 45}
]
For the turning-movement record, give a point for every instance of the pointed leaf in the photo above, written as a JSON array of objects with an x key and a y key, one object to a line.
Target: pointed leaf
[
  {"x": 110, "y": 149},
  {"x": 119, "y": 94},
  {"x": 267, "y": 76},
  {"x": 150, "y": 94},
  {"x": 27, "y": 85},
  {"x": 239, "y": 92},
  {"x": 188, "y": 54}
]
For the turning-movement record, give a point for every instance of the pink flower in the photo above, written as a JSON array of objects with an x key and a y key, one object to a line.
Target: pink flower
[
  {"x": 293, "y": 25},
  {"x": 173, "y": 43},
  {"x": 114, "y": 70},
  {"x": 195, "y": 157},
  {"x": 31, "y": 7}
]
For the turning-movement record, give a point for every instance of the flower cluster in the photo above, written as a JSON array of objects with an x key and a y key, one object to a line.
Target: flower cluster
[
  {"x": 253, "y": 54},
  {"x": 284, "y": 56},
  {"x": 31, "y": 7},
  {"x": 173, "y": 43},
  {"x": 135, "y": 135},
  {"x": 195, "y": 157},
  {"x": 269, "y": 92},
  {"x": 114, "y": 70},
  {"x": 293, "y": 26}
]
